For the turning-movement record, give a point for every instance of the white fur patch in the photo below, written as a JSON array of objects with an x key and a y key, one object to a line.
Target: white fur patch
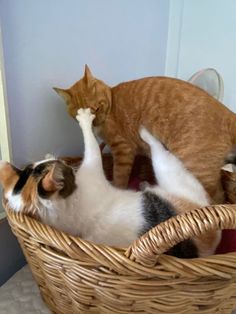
[
  {"x": 15, "y": 201},
  {"x": 50, "y": 158}
]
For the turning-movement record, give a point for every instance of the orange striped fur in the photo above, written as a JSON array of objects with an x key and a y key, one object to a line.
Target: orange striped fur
[{"x": 193, "y": 125}]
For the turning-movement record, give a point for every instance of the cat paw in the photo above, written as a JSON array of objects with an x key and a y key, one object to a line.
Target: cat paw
[
  {"x": 84, "y": 116},
  {"x": 145, "y": 135},
  {"x": 152, "y": 141},
  {"x": 144, "y": 185}
]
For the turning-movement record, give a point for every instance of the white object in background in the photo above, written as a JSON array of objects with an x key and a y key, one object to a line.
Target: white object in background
[{"x": 209, "y": 80}]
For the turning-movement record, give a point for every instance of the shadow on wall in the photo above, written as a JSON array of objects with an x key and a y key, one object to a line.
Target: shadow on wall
[{"x": 11, "y": 256}]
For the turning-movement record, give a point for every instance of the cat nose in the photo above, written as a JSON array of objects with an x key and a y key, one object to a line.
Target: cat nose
[{"x": 94, "y": 110}]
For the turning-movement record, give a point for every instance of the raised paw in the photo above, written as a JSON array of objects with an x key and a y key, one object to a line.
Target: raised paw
[
  {"x": 146, "y": 136},
  {"x": 84, "y": 116}
]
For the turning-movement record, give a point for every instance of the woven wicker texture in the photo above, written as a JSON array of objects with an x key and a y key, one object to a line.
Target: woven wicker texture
[{"x": 76, "y": 276}]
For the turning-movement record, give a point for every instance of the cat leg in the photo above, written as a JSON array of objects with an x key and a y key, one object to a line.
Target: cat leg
[
  {"x": 92, "y": 153},
  {"x": 171, "y": 174},
  {"x": 176, "y": 180},
  {"x": 123, "y": 159}
]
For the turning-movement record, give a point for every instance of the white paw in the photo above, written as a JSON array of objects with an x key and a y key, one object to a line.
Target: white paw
[
  {"x": 147, "y": 137},
  {"x": 144, "y": 134},
  {"x": 84, "y": 116}
]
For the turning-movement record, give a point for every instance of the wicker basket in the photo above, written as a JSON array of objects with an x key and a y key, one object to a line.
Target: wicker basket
[{"x": 76, "y": 276}]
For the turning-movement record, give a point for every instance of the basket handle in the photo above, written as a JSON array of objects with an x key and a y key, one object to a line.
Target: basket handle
[{"x": 164, "y": 236}]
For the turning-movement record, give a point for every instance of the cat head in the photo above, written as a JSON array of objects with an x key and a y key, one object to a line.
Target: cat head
[
  {"x": 88, "y": 92},
  {"x": 24, "y": 190}
]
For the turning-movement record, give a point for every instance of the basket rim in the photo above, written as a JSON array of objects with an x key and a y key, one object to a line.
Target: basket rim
[{"x": 131, "y": 254}]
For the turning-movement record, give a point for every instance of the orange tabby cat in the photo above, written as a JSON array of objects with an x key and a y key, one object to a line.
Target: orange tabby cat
[{"x": 192, "y": 124}]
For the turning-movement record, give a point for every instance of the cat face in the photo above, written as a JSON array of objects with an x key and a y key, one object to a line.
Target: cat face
[
  {"x": 25, "y": 189},
  {"x": 88, "y": 92}
]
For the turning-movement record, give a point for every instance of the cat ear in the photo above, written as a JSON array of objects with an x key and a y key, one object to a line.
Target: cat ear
[
  {"x": 87, "y": 74},
  {"x": 50, "y": 156},
  {"x": 54, "y": 179},
  {"x": 64, "y": 93},
  {"x": 8, "y": 174}
]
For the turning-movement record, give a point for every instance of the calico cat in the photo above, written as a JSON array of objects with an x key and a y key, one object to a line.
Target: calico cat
[
  {"x": 192, "y": 124},
  {"x": 84, "y": 203}
]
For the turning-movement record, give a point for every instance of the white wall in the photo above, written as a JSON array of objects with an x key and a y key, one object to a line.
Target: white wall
[
  {"x": 47, "y": 43},
  {"x": 202, "y": 34}
]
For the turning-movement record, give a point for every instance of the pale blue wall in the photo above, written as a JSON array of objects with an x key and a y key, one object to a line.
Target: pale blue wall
[
  {"x": 47, "y": 43},
  {"x": 205, "y": 37}
]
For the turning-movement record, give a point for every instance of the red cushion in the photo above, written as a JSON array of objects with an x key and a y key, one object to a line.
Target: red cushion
[{"x": 228, "y": 242}]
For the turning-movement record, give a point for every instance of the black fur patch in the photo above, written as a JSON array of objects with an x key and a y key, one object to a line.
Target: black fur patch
[
  {"x": 26, "y": 173},
  {"x": 68, "y": 180},
  {"x": 23, "y": 177},
  {"x": 39, "y": 172},
  {"x": 157, "y": 210}
]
